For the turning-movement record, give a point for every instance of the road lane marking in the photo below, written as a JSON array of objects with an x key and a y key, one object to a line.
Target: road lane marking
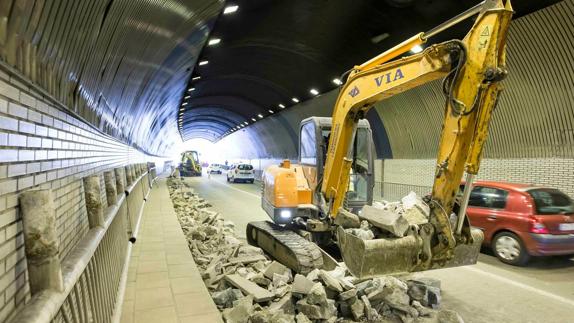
[
  {"x": 235, "y": 188},
  {"x": 521, "y": 285}
]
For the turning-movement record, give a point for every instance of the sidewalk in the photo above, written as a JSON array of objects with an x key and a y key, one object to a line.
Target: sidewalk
[{"x": 164, "y": 284}]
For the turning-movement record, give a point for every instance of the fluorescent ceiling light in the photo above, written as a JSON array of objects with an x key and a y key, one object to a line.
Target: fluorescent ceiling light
[
  {"x": 230, "y": 9},
  {"x": 337, "y": 81},
  {"x": 245, "y": 123},
  {"x": 191, "y": 89},
  {"x": 314, "y": 91},
  {"x": 281, "y": 106},
  {"x": 214, "y": 41},
  {"x": 416, "y": 49},
  {"x": 203, "y": 63},
  {"x": 260, "y": 116},
  {"x": 186, "y": 97},
  {"x": 270, "y": 111},
  {"x": 295, "y": 100},
  {"x": 196, "y": 78},
  {"x": 253, "y": 119},
  {"x": 184, "y": 103}
]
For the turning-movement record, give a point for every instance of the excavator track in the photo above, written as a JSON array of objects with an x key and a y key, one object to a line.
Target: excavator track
[{"x": 285, "y": 246}]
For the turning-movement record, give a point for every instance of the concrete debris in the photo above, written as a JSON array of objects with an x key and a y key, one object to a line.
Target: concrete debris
[
  {"x": 231, "y": 269},
  {"x": 388, "y": 221},
  {"x": 347, "y": 219}
]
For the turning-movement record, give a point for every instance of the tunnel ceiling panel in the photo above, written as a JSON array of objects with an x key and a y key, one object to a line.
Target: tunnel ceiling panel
[
  {"x": 120, "y": 65},
  {"x": 271, "y": 51}
]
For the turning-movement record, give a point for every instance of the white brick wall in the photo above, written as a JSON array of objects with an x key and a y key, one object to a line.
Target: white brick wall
[
  {"x": 43, "y": 147},
  {"x": 553, "y": 172}
]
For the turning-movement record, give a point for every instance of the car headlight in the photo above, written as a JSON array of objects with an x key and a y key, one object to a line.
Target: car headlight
[{"x": 285, "y": 214}]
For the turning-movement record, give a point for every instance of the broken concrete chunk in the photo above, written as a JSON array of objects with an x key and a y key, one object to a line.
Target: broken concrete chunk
[
  {"x": 317, "y": 312},
  {"x": 433, "y": 296},
  {"x": 418, "y": 292},
  {"x": 259, "y": 294},
  {"x": 276, "y": 268},
  {"x": 347, "y": 219},
  {"x": 225, "y": 298},
  {"x": 358, "y": 310},
  {"x": 317, "y": 295},
  {"x": 368, "y": 308},
  {"x": 415, "y": 216},
  {"x": 411, "y": 200},
  {"x": 302, "y": 285},
  {"x": 330, "y": 282},
  {"x": 240, "y": 312},
  {"x": 313, "y": 274},
  {"x": 348, "y": 294},
  {"x": 346, "y": 283},
  {"x": 245, "y": 259},
  {"x": 285, "y": 304},
  {"x": 423, "y": 311},
  {"x": 280, "y": 280},
  {"x": 301, "y": 318},
  {"x": 259, "y": 279},
  {"x": 391, "y": 222}
]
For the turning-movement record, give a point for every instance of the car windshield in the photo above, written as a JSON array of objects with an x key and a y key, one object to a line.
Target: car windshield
[
  {"x": 245, "y": 167},
  {"x": 551, "y": 201}
]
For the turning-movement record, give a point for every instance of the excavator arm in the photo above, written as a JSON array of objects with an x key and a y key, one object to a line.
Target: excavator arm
[{"x": 472, "y": 69}]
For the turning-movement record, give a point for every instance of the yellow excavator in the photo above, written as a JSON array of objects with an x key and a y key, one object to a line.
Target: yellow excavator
[
  {"x": 334, "y": 175},
  {"x": 189, "y": 165}
]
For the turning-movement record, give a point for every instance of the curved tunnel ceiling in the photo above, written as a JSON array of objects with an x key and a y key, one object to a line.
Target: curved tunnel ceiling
[{"x": 271, "y": 51}]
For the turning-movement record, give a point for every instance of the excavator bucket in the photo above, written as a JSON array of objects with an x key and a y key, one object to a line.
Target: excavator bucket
[{"x": 378, "y": 257}]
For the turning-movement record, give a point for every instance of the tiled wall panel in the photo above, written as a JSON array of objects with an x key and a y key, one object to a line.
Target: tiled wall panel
[{"x": 42, "y": 147}]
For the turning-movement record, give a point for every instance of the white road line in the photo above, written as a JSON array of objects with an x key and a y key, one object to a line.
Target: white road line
[
  {"x": 520, "y": 285},
  {"x": 234, "y": 188}
]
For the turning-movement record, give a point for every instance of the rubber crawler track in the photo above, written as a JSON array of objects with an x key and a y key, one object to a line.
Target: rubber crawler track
[{"x": 304, "y": 255}]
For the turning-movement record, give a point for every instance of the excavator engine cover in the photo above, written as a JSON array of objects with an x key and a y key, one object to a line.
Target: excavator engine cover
[{"x": 378, "y": 257}]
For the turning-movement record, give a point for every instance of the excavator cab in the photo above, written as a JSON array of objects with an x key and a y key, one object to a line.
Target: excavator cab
[
  {"x": 189, "y": 165},
  {"x": 313, "y": 143}
]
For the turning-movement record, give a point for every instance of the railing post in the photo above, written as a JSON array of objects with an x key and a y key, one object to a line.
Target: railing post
[
  {"x": 93, "y": 193},
  {"x": 120, "y": 179},
  {"x": 111, "y": 192},
  {"x": 41, "y": 241},
  {"x": 129, "y": 176}
]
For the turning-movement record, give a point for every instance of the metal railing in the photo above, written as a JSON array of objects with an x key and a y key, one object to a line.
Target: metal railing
[
  {"x": 395, "y": 191},
  {"x": 95, "y": 271}
]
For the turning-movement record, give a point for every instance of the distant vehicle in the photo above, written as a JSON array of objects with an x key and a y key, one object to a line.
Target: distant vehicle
[
  {"x": 521, "y": 220},
  {"x": 241, "y": 173},
  {"x": 214, "y": 168}
]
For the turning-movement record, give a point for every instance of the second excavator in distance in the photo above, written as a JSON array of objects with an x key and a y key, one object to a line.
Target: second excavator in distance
[{"x": 333, "y": 178}]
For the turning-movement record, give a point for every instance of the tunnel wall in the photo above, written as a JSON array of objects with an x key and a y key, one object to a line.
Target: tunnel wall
[
  {"x": 530, "y": 138},
  {"x": 42, "y": 146}
]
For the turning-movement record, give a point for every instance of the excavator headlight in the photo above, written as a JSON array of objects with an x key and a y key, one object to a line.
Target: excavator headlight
[{"x": 285, "y": 214}]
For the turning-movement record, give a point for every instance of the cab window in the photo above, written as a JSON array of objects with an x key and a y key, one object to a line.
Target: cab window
[
  {"x": 308, "y": 147},
  {"x": 488, "y": 197}
]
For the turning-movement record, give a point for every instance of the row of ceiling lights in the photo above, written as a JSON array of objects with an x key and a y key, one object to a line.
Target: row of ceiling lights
[{"x": 216, "y": 41}]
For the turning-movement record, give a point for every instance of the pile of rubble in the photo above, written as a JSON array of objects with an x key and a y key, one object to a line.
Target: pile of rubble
[
  {"x": 249, "y": 287},
  {"x": 386, "y": 219}
]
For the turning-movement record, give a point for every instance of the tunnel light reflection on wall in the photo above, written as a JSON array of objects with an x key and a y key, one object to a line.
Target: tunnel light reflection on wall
[
  {"x": 314, "y": 91},
  {"x": 230, "y": 9},
  {"x": 295, "y": 100},
  {"x": 416, "y": 49},
  {"x": 203, "y": 63},
  {"x": 281, "y": 106},
  {"x": 214, "y": 41},
  {"x": 260, "y": 116},
  {"x": 337, "y": 81}
]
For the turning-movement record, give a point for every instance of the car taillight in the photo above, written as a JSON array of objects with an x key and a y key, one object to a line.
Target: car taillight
[{"x": 537, "y": 226}]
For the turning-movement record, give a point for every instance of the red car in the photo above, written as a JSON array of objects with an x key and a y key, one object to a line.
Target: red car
[{"x": 520, "y": 220}]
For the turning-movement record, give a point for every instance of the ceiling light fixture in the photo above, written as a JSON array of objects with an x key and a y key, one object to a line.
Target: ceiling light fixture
[
  {"x": 281, "y": 106},
  {"x": 245, "y": 123},
  {"x": 191, "y": 89},
  {"x": 337, "y": 81},
  {"x": 230, "y": 9},
  {"x": 186, "y": 97},
  {"x": 416, "y": 49},
  {"x": 314, "y": 91},
  {"x": 253, "y": 119},
  {"x": 184, "y": 103},
  {"x": 260, "y": 116},
  {"x": 196, "y": 78},
  {"x": 295, "y": 100},
  {"x": 214, "y": 41},
  {"x": 270, "y": 111},
  {"x": 203, "y": 63}
]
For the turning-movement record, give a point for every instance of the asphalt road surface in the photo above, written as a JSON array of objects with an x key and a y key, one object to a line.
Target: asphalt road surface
[{"x": 489, "y": 291}]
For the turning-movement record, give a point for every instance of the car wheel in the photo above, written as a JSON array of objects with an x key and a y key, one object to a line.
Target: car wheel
[
  {"x": 508, "y": 247},
  {"x": 251, "y": 181}
]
